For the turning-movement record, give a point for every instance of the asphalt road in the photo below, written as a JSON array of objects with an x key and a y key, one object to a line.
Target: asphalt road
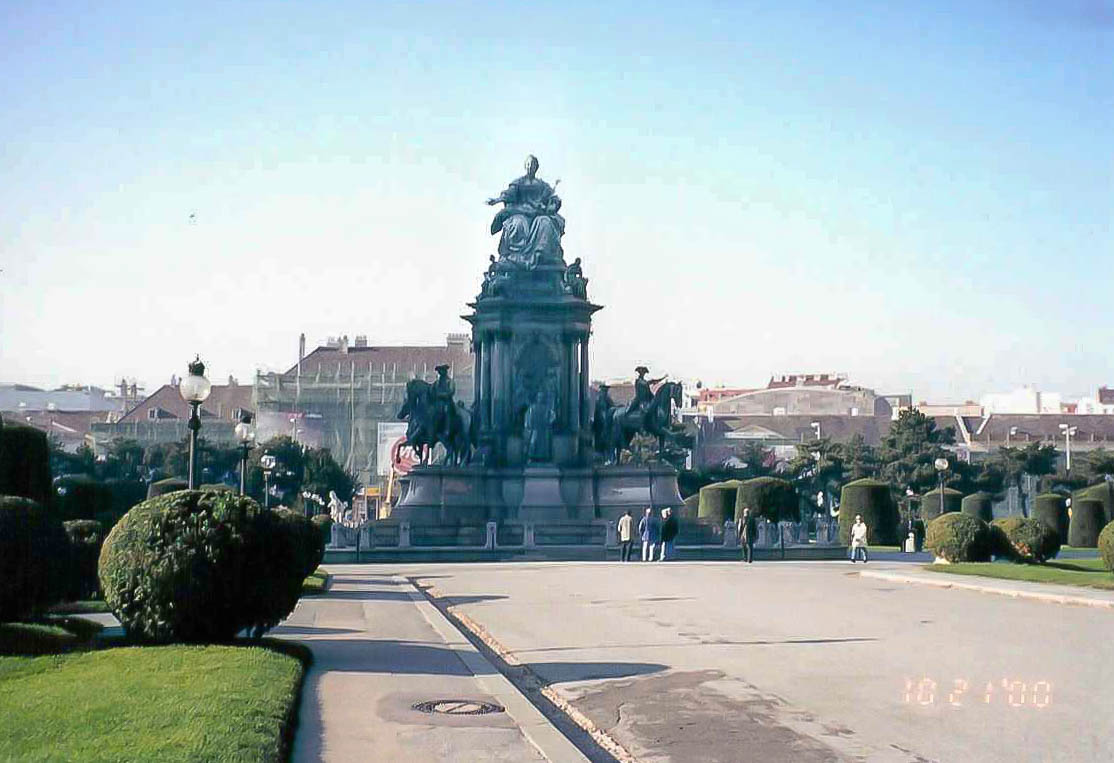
[{"x": 719, "y": 661}]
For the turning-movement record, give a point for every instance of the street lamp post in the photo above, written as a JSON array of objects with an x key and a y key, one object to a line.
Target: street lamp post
[
  {"x": 1068, "y": 431},
  {"x": 268, "y": 464},
  {"x": 245, "y": 434},
  {"x": 941, "y": 465},
  {"x": 194, "y": 389}
]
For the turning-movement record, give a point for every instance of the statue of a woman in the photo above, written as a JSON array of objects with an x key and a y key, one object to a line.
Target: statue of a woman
[{"x": 529, "y": 220}]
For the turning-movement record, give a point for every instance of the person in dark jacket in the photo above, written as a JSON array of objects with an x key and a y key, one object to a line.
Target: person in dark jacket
[
  {"x": 669, "y": 529},
  {"x": 748, "y": 533}
]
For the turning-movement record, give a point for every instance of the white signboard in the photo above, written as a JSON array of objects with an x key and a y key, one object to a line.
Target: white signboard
[{"x": 390, "y": 434}]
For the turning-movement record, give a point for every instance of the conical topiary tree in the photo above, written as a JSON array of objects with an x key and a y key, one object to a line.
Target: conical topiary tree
[
  {"x": 1052, "y": 509},
  {"x": 930, "y": 504},
  {"x": 979, "y": 505},
  {"x": 874, "y": 501},
  {"x": 1103, "y": 492},
  {"x": 717, "y": 501},
  {"x": 769, "y": 497},
  {"x": 1087, "y": 520}
]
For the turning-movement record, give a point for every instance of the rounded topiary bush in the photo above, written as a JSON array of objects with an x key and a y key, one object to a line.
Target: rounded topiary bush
[
  {"x": 305, "y": 534},
  {"x": 168, "y": 485},
  {"x": 85, "y": 540},
  {"x": 33, "y": 558},
  {"x": 324, "y": 525},
  {"x": 874, "y": 501},
  {"x": 199, "y": 566},
  {"x": 930, "y": 503},
  {"x": 1024, "y": 539},
  {"x": 1087, "y": 520},
  {"x": 81, "y": 497},
  {"x": 768, "y": 497},
  {"x": 1052, "y": 509},
  {"x": 1106, "y": 546},
  {"x": 979, "y": 505},
  {"x": 717, "y": 501},
  {"x": 25, "y": 464},
  {"x": 957, "y": 537}
]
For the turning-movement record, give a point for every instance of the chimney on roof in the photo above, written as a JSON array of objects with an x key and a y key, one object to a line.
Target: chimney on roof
[
  {"x": 361, "y": 340},
  {"x": 456, "y": 341}
]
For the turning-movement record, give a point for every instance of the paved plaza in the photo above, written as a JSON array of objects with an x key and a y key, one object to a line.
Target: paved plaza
[{"x": 714, "y": 661}]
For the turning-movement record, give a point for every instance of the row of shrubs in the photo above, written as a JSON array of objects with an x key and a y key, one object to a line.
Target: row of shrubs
[{"x": 44, "y": 561}]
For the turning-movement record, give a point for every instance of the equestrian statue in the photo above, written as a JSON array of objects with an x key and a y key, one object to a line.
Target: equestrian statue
[
  {"x": 649, "y": 413},
  {"x": 432, "y": 416}
]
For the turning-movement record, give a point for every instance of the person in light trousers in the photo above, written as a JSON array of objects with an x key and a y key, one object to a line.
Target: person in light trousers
[
  {"x": 649, "y": 530},
  {"x": 858, "y": 539}
]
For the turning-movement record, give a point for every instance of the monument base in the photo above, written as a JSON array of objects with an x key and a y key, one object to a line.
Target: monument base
[{"x": 444, "y": 495}]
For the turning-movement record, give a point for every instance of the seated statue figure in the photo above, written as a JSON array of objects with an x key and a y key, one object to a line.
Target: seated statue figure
[{"x": 529, "y": 221}]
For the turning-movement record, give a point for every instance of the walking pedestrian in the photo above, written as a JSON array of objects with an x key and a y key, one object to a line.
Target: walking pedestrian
[
  {"x": 625, "y": 528},
  {"x": 649, "y": 530},
  {"x": 748, "y": 532},
  {"x": 669, "y": 529},
  {"x": 858, "y": 539}
]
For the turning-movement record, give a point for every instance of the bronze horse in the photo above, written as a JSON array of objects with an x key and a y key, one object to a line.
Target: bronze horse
[
  {"x": 654, "y": 420},
  {"x": 421, "y": 431}
]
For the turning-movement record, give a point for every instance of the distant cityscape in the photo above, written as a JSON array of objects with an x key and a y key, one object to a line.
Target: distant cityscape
[{"x": 344, "y": 395}]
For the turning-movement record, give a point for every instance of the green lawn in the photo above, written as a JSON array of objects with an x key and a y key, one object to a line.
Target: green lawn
[
  {"x": 166, "y": 703},
  {"x": 316, "y": 583},
  {"x": 87, "y": 607},
  {"x": 1089, "y": 573}
]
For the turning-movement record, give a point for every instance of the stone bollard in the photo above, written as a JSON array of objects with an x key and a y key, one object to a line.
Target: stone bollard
[
  {"x": 492, "y": 529},
  {"x": 334, "y": 535},
  {"x": 528, "y": 535},
  {"x": 612, "y": 538},
  {"x": 366, "y": 536},
  {"x": 404, "y": 534},
  {"x": 730, "y": 534}
]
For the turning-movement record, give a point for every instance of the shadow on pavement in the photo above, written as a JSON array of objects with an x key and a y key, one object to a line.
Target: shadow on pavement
[{"x": 563, "y": 672}]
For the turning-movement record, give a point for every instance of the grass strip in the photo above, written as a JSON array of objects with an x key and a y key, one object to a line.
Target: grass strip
[
  {"x": 1084, "y": 573},
  {"x": 317, "y": 583},
  {"x": 164, "y": 703}
]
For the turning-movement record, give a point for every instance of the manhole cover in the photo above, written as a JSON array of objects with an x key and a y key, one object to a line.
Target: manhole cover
[{"x": 457, "y": 707}]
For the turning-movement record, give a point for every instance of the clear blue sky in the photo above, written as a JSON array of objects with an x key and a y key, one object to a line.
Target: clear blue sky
[{"x": 918, "y": 194}]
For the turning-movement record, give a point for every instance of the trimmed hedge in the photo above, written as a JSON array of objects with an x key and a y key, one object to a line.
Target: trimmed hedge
[
  {"x": 1024, "y": 539},
  {"x": 168, "y": 485},
  {"x": 1052, "y": 509},
  {"x": 1102, "y": 492},
  {"x": 875, "y": 502},
  {"x": 25, "y": 464},
  {"x": 33, "y": 558},
  {"x": 930, "y": 503},
  {"x": 717, "y": 501},
  {"x": 85, "y": 540},
  {"x": 81, "y": 497},
  {"x": 305, "y": 535},
  {"x": 979, "y": 505},
  {"x": 958, "y": 537},
  {"x": 1106, "y": 546},
  {"x": 324, "y": 525},
  {"x": 768, "y": 497},
  {"x": 1087, "y": 520},
  {"x": 201, "y": 566}
]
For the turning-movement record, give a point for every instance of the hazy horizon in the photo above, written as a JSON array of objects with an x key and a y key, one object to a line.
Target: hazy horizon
[{"x": 919, "y": 196}]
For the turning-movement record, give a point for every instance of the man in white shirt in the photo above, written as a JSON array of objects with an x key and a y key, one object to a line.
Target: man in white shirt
[{"x": 858, "y": 539}]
